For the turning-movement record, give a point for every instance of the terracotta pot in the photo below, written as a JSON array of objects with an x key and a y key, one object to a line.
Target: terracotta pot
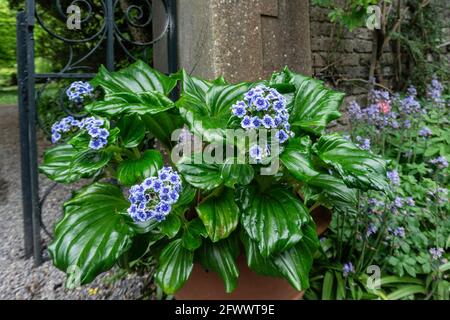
[{"x": 207, "y": 285}]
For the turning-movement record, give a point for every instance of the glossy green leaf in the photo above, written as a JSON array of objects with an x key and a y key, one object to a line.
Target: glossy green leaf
[
  {"x": 333, "y": 191},
  {"x": 297, "y": 158},
  {"x": 220, "y": 257},
  {"x": 187, "y": 195},
  {"x": 132, "y": 130},
  {"x": 274, "y": 219},
  {"x": 115, "y": 104},
  {"x": 92, "y": 234},
  {"x": 314, "y": 105},
  {"x": 206, "y": 106},
  {"x": 293, "y": 264},
  {"x": 136, "y": 78},
  {"x": 175, "y": 266},
  {"x": 200, "y": 174},
  {"x": 235, "y": 173},
  {"x": 219, "y": 214},
  {"x": 132, "y": 171},
  {"x": 171, "y": 225},
  {"x": 193, "y": 233},
  {"x": 57, "y": 163},
  {"x": 88, "y": 162},
  {"x": 162, "y": 125},
  {"x": 357, "y": 167}
]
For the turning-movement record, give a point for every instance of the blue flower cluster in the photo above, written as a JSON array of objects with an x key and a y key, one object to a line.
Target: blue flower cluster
[
  {"x": 263, "y": 107},
  {"x": 79, "y": 90},
  {"x": 153, "y": 198},
  {"x": 99, "y": 136}
]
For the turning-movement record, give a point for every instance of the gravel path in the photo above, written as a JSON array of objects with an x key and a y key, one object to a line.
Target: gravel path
[{"x": 19, "y": 279}]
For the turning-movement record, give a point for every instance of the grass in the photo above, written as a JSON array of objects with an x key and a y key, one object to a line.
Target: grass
[{"x": 8, "y": 96}]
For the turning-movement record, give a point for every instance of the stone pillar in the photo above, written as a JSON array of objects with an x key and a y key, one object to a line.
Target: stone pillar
[{"x": 243, "y": 39}]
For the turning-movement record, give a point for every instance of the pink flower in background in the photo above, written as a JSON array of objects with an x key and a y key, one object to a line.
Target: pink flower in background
[{"x": 384, "y": 107}]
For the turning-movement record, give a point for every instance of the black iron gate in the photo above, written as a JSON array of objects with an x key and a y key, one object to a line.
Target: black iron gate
[{"x": 107, "y": 39}]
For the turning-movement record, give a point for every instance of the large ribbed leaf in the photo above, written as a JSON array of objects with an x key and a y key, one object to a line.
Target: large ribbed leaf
[
  {"x": 65, "y": 164},
  {"x": 193, "y": 233},
  {"x": 297, "y": 158},
  {"x": 206, "y": 106},
  {"x": 219, "y": 214},
  {"x": 333, "y": 191},
  {"x": 136, "y": 78},
  {"x": 135, "y": 170},
  {"x": 357, "y": 167},
  {"x": 220, "y": 257},
  {"x": 293, "y": 264},
  {"x": 92, "y": 234},
  {"x": 274, "y": 219},
  {"x": 175, "y": 266},
  {"x": 200, "y": 174},
  {"x": 314, "y": 105},
  {"x": 235, "y": 173},
  {"x": 151, "y": 102},
  {"x": 132, "y": 130},
  {"x": 56, "y": 164},
  {"x": 162, "y": 125}
]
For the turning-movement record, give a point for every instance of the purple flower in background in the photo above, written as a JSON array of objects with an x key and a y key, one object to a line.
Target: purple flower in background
[
  {"x": 434, "y": 91},
  {"x": 347, "y": 269},
  {"x": 436, "y": 253},
  {"x": 398, "y": 202},
  {"x": 354, "y": 110},
  {"x": 441, "y": 162},
  {"x": 409, "y": 105},
  {"x": 410, "y": 202},
  {"x": 407, "y": 124},
  {"x": 362, "y": 143},
  {"x": 371, "y": 229},
  {"x": 425, "y": 132},
  {"x": 380, "y": 95},
  {"x": 399, "y": 232},
  {"x": 394, "y": 177},
  {"x": 411, "y": 91}
]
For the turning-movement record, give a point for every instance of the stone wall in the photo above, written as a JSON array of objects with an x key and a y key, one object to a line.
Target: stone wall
[
  {"x": 340, "y": 60},
  {"x": 336, "y": 62}
]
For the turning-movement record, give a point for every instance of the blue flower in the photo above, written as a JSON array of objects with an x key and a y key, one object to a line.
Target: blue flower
[
  {"x": 364, "y": 144},
  {"x": 239, "y": 110},
  {"x": 282, "y": 136},
  {"x": 78, "y": 91},
  {"x": 246, "y": 122},
  {"x": 399, "y": 232},
  {"x": 261, "y": 103},
  {"x": 371, "y": 229},
  {"x": 268, "y": 121},
  {"x": 410, "y": 202},
  {"x": 256, "y": 122},
  {"x": 256, "y": 152}
]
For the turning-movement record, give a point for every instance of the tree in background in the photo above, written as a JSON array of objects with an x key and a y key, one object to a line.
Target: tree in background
[{"x": 7, "y": 42}]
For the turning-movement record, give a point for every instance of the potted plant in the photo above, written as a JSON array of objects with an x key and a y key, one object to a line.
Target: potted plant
[{"x": 238, "y": 202}]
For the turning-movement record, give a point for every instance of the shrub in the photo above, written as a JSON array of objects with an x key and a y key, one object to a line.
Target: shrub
[{"x": 201, "y": 206}]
